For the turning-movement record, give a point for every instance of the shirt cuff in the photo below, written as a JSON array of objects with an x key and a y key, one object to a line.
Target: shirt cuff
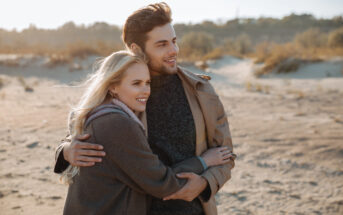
[{"x": 202, "y": 162}]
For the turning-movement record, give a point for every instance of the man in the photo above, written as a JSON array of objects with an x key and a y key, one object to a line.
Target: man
[{"x": 184, "y": 117}]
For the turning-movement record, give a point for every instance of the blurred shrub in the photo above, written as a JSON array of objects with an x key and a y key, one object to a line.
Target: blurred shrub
[
  {"x": 57, "y": 59},
  {"x": 243, "y": 44},
  {"x": 311, "y": 38},
  {"x": 262, "y": 51},
  {"x": 336, "y": 38},
  {"x": 80, "y": 50},
  {"x": 215, "y": 54},
  {"x": 195, "y": 45},
  {"x": 239, "y": 46},
  {"x": 278, "y": 54}
]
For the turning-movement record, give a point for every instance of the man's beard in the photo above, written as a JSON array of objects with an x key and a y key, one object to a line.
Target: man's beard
[{"x": 162, "y": 70}]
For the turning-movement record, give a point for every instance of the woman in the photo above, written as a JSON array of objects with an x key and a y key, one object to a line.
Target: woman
[{"x": 117, "y": 93}]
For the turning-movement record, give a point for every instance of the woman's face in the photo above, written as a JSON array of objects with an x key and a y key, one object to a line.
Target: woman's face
[{"x": 134, "y": 88}]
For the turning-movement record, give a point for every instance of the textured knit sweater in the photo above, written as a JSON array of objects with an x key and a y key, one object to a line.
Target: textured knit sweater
[{"x": 171, "y": 135}]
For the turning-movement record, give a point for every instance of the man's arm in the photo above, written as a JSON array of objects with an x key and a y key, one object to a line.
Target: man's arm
[
  {"x": 60, "y": 163},
  {"x": 77, "y": 152},
  {"x": 217, "y": 176}
]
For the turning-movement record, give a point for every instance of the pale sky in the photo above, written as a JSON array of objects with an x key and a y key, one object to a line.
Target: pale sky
[{"x": 19, "y": 14}]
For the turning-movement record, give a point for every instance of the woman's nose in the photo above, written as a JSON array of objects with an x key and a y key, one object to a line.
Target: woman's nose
[{"x": 146, "y": 90}]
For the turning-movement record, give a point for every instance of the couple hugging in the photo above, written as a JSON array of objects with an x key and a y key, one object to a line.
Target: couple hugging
[{"x": 147, "y": 137}]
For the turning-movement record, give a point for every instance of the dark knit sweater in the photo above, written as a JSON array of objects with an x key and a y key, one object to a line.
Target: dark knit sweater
[{"x": 171, "y": 132}]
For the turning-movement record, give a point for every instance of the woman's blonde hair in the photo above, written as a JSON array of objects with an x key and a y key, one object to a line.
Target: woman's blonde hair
[{"x": 111, "y": 71}]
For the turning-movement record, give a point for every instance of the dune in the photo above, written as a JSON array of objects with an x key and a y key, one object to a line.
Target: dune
[{"x": 286, "y": 129}]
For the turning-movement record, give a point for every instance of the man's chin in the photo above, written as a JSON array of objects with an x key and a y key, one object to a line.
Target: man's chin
[
  {"x": 171, "y": 70},
  {"x": 168, "y": 70},
  {"x": 164, "y": 70}
]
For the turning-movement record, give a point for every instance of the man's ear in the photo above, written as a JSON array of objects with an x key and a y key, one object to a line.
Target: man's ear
[{"x": 136, "y": 49}]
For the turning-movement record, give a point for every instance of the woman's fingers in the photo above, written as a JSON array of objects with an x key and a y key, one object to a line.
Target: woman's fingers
[{"x": 227, "y": 156}]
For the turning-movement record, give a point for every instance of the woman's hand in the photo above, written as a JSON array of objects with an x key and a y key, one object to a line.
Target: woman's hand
[{"x": 218, "y": 156}]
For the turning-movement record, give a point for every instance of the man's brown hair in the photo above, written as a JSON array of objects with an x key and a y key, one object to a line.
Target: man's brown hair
[{"x": 143, "y": 21}]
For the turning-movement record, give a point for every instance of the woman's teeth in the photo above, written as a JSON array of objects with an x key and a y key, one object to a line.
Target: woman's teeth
[{"x": 142, "y": 100}]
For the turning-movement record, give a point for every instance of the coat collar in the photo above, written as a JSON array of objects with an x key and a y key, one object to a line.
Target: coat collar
[{"x": 191, "y": 78}]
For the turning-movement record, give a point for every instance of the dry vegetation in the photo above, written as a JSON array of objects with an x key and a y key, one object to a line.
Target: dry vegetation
[
  {"x": 309, "y": 46},
  {"x": 281, "y": 44},
  {"x": 63, "y": 44}
]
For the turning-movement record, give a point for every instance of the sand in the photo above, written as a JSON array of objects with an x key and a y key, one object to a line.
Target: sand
[{"x": 286, "y": 129}]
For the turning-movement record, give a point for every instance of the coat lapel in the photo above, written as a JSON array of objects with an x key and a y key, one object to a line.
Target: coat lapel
[{"x": 199, "y": 107}]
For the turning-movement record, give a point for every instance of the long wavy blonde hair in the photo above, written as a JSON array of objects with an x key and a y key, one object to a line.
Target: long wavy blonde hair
[{"x": 111, "y": 71}]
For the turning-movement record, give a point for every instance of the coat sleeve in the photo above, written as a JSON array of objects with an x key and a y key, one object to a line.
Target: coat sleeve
[
  {"x": 131, "y": 160},
  {"x": 60, "y": 163},
  {"x": 217, "y": 176}
]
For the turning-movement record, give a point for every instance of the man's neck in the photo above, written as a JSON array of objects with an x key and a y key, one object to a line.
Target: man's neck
[{"x": 159, "y": 73}]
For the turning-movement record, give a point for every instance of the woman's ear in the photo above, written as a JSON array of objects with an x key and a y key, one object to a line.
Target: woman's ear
[{"x": 112, "y": 90}]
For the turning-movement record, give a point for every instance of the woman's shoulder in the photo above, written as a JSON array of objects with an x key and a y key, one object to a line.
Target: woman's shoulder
[
  {"x": 113, "y": 120},
  {"x": 115, "y": 128}
]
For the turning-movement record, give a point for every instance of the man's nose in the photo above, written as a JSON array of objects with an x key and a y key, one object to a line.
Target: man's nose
[{"x": 174, "y": 49}]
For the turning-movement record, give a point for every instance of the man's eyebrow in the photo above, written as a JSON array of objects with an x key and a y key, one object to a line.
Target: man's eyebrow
[
  {"x": 161, "y": 41},
  {"x": 164, "y": 41}
]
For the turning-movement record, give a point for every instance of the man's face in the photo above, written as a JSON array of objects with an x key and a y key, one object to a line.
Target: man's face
[{"x": 162, "y": 50}]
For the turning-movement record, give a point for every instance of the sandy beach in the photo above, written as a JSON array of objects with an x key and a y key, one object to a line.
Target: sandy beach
[{"x": 287, "y": 131}]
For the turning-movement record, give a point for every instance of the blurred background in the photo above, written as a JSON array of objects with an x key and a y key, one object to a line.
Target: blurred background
[
  {"x": 269, "y": 31},
  {"x": 276, "y": 65}
]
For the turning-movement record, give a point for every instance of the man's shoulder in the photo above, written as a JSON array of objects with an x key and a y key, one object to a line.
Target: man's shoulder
[
  {"x": 200, "y": 81},
  {"x": 204, "y": 77},
  {"x": 196, "y": 76}
]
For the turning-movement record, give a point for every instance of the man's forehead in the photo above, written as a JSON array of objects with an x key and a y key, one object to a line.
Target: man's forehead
[{"x": 160, "y": 33}]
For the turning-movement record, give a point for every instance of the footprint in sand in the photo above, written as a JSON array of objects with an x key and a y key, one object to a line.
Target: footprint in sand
[
  {"x": 32, "y": 145},
  {"x": 54, "y": 197}
]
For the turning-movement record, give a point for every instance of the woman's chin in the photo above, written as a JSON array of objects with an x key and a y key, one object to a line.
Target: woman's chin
[{"x": 139, "y": 109}]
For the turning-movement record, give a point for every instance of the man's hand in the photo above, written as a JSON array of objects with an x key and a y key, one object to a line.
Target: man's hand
[
  {"x": 79, "y": 153},
  {"x": 192, "y": 189}
]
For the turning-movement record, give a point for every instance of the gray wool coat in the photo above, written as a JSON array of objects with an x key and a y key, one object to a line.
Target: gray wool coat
[{"x": 129, "y": 171}]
